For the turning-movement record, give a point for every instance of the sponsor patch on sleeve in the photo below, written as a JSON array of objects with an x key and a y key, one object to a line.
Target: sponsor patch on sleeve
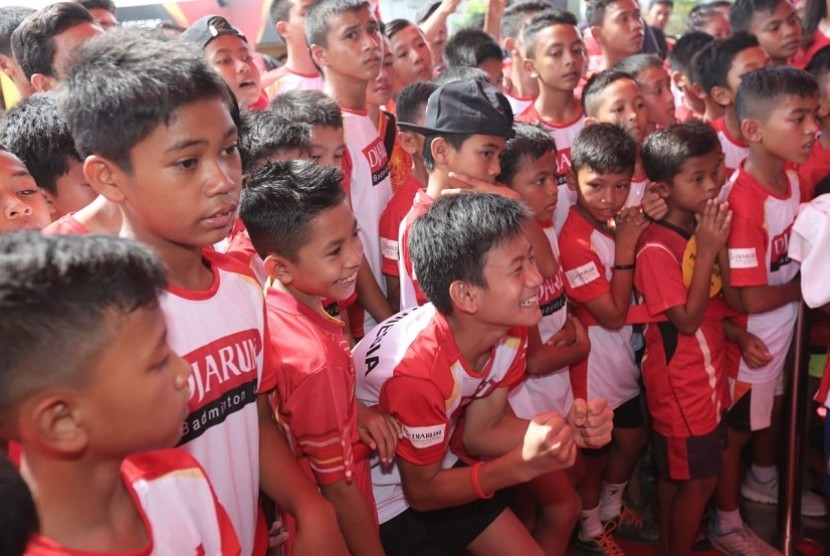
[
  {"x": 389, "y": 248},
  {"x": 582, "y": 275},
  {"x": 743, "y": 258},
  {"x": 424, "y": 437}
]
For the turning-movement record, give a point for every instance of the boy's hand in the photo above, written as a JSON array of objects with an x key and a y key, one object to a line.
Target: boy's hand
[
  {"x": 378, "y": 430},
  {"x": 548, "y": 443},
  {"x": 592, "y": 422},
  {"x": 566, "y": 335},
  {"x": 277, "y": 535},
  {"x": 479, "y": 186},
  {"x": 753, "y": 350},
  {"x": 654, "y": 205},
  {"x": 630, "y": 223},
  {"x": 713, "y": 227}
]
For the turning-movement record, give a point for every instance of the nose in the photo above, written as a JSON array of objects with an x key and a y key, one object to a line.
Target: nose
[
  {"x": 15, "y": 208},
  {"x": 533, "y": 278},
  {"x": 495, "y": 166},
  {"x": 811, "y": 125},
  {"x": 242, "y": 66},
  {"x": 356, "y": 254},
  {"x": 225, "y": 176},
  {"x": 182, "y": 372}
]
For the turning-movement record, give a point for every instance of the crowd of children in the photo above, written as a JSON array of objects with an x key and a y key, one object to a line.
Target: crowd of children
[{"x": 411, "y": 292}]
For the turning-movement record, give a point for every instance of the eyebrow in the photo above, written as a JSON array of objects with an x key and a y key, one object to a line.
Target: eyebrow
[{"x": 185, "y": 143}]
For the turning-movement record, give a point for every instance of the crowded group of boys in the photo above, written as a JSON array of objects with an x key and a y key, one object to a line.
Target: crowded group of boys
[{"x": 410, "y": 292}]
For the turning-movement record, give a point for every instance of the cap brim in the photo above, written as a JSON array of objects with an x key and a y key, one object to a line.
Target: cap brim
[{"x": 405, "y": 126}]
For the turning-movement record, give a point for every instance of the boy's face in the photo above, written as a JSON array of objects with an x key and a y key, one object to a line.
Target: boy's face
[
  {"x": 658, "y": 15},
  {"x": 24, "y": 206},
  {"x": 601, "y": 195},
  {"x": 747, "y": 60},
  {"x": 327, "y": 264},
  {"x": 622, "y": 29},
  {"x": 717, "y": 26},
  {"x": 700, "y": 179},
  {"x": 379, "y": 91},
  {"x": 536, "y": 182},
  {"x": 511, "y": 296},
  {"x": 231, "y": 58},
  {"x": 622, "y": 103},
  {"x": 412, "y": 56},
  {"x": 293, "y": 30},
  {"x": 778, "y": 31},
  {"x": 185, "y": 182},
  {"x": 478, "y": 157},
  {"x": 137, "y": 400},
  {"x": 327, "y": 146},
  {"x": 353, "y": 45},
  {"x": 74, "y": 191},
  {"x": 558, "y": 57},
  {"x": 790, "y": 129},
  {"x": 655, "y": 85}
]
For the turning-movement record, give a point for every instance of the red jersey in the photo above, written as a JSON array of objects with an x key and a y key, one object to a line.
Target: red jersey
[
  {"x": 811, "y": 172},
  {"x": 390, "y": 222},
  {"x": 685, "y": 383},
  {"x": 734, "y": 149},
  {"x": 411, "y": 294}
]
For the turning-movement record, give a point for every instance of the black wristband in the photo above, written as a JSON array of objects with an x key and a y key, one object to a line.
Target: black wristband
[{"x": 624, "y": 266}]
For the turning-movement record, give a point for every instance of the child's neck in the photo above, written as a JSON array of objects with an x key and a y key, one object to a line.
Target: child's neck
[
  {"x": 373, "y": 111},
  {"x": 100, "y": 216},
  {"x": 419, "y": 171},
  {"x": 596, "y": 224},
  {"x": 475, "y": 340},
  {"x": 766, "y": 169},
  {"x": 713, "y": 110},
  {"x": 313, "y": 302},
  {"x": 185, "y": 266},
  {"x": 347, "y": 92},
  {"x": 299, "y": 63},
  {"x": 639, "y": 172},
  {"x": 610, "y": 59},
  {"x": 682, "y": 219},
  {"x": 557, "y": 106},
  {"x": 83, "y": 504},
  {"x": 438, "y": 181},
  {"x": 523, "y": 86},
  {"x": 824, "y": 135},
  {"x": 730, "y": 119}
]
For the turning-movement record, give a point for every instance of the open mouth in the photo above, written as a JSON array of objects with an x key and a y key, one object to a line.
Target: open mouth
[
  {"x": 347, "y": 280},
  {"x": 530, "y": 302}
]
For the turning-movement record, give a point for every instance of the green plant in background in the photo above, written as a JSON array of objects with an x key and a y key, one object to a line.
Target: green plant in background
[{"x": 679, "y": 16}]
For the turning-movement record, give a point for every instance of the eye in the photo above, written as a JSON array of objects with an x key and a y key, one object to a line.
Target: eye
[
  {"x": 232, "y": 149},
  {"x": 161, "y": 364},
  {"x": 27, "y": 192},
  {"x": 186, "y": 164},
  {"x": 334, "y": 252}
]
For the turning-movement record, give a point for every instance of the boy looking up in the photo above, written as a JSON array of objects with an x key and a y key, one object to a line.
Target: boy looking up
[
  {"x": 775, "y": 108},
  {"x": 344, "y": 39},
  {"x": 458, "y": 356},
  {"x": 598, "y": 263},
  {"x": 774, "y": 23},
  {"x": 683, "y": 366},
  {"x": 10, "y": 19},
  {"x": 297, "y": 218},
  {"x": 617, "y": 27},
  {"x": 227, "y": 51},
  {"x": 175, "y": 172},
  {"x": 101, "y": 385},
  {"x": 298, "y": 73},
  {"x": 555, "y": 55},
  {"x": 24, "y": 204},
  {"x": 722, "y": 66}
]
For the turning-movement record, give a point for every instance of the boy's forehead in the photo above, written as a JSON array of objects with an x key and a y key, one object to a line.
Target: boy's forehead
[
  {"x": 782, "y": 11},
  {"x": 620, "y": 89},
  {"x": 349, "y": 18},
  {"x": 558, "y": 33},
  {"x": 479, "y": 140},
  {"x": 11, "y": 166},
  {"x": 620, "y": 6}
]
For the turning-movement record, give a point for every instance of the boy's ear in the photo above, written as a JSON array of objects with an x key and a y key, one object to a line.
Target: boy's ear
[
  {"x": 596, "y": 33},
  {"x": 279, "y": 268},
  {"x": 407, "y": 142},
  {"x": 102, "y": 175},
  {"x": 590, "y": 120},
  {"x": 661, "y": 188},
  {"x": 509, "y": 44},
  {"x": 570, "y": 179},
  {"x": 54, "y": 423},
  {"x": 677, "y": 78},
  {"x": 751, "y": 130},
  {"x": 280, "y": 28},
  {"x": 530, "y": 67},
  {"x": 722, "y": 95},
  {"x": 319, "y": 55},
  {"x": 463, "y": 297},
  {"x": 440, "y": 150},
  {"x": 42, "y": 83}
]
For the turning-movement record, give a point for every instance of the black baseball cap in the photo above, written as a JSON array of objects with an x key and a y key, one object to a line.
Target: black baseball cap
[
  {"x": 207, "y": 28},
  {"x": 466, "y": 107}
]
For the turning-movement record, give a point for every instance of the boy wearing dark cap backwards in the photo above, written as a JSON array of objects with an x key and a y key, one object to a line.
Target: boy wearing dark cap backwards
[
  {"x": 226, "y": 49},
  {"x": 466, "y": 126}
]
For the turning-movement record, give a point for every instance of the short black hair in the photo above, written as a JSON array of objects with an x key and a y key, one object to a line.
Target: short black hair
[
  {"x": 320, "y": 13},
  {"x": 58, "y": 295},
  {"x": 712, "y": 64},
  {"x": 263, "y": 134},
  {"x": 34, "y": 132},
  {"x": 108, "y": 5},
  {"x": 543, "y": 20},
  {"x": 413, "y": 100},
  {"x": 18, "y": 514},
  {"x": 636, "y": 64},
  {"x": 595, "y": 11},
  {"x": 133, "y": 81},
  {"x": 281, "y": 200},
  {"x": 513, "y": 19},
  {"x": 392, "y": 28},
  {"x": 669, "y": 3},
  {"x": 666, "y": 150},
  {"x": 680, "y": 58},
  {"x": 742, "y": 11},
  {"x": 529, "y": 142},
  {"x": 10, "y": 19},
  {"x": 278, "y": 10},
  {"x": 461, "y": 73},
  {"x": 309, "y": 107},
  {"x": 455, "y": 140},
  {"x": 32, "y": 41},
  {"x": 452, "y": 239},
  {"x": 595, "y": 86},
  {"x": 603, "y": 148},
  {"x": 699, "y": 17},
  {"x": 761, "y": 88},
  {"x": 819, "y": 65},
  {"x": 471, "y": 48}
]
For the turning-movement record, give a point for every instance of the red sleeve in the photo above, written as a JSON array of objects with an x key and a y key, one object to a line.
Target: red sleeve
[
  {"x": 346, "y": 184},
  {"x": 390, "y": 223},
  {"x": 584, "y": 272},
  {"x": 271, "y": 361},
  {"x": 419, "y": 407},
  {"x": 320, "y": 413},
  {"x": 747, "y": 249},
  {"x": 659, "y": 278}
]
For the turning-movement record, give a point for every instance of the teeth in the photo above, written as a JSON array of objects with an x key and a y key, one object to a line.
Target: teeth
[{"x": 531, "y": 302}]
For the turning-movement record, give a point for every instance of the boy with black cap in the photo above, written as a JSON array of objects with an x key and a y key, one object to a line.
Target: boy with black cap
[
  {"x": 226, "y": 49},
  {"x": 466, "y": 127}
]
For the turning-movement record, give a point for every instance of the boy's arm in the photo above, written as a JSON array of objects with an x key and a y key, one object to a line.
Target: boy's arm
[
  {"x": 283, "y": 481},
  {"x": 753, "y": 350},
  {"x": 758, "y": 299},
  {"x": 543, "y": 358},
  {"x": 438, "y": 19},
  {"x": 370, "y": 295},
  {"x": 492, "y": 18},
  {"x": 393, "y": 291},
  {"x": 355, "y": 516}
]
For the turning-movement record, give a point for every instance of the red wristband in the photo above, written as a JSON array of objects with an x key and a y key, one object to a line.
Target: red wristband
[{"x": 476, "y": 484}]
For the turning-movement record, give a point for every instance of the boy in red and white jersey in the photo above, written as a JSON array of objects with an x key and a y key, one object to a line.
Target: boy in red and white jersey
[
  {"x": 176, "y": 178},
  {"x": 556, "y": 109},
  {"x": 817, "y": 166},
  {"x": 458, "y": 356},
  {"x": 598, "y": 262},
  {"x": 105, "y": 386},
  {"x": 344, "y": 38},
  {"x": 775, "y": 108},
  {"x": 521, "y": 87},
  {"x": 298, "y": 73},
  {"x": 722, "y": 65}
]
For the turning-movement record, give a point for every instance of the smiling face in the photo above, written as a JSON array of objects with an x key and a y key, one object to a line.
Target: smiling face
[
  {"x": 231, "y": 57},
  {"x": 778, "y": 31}
]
